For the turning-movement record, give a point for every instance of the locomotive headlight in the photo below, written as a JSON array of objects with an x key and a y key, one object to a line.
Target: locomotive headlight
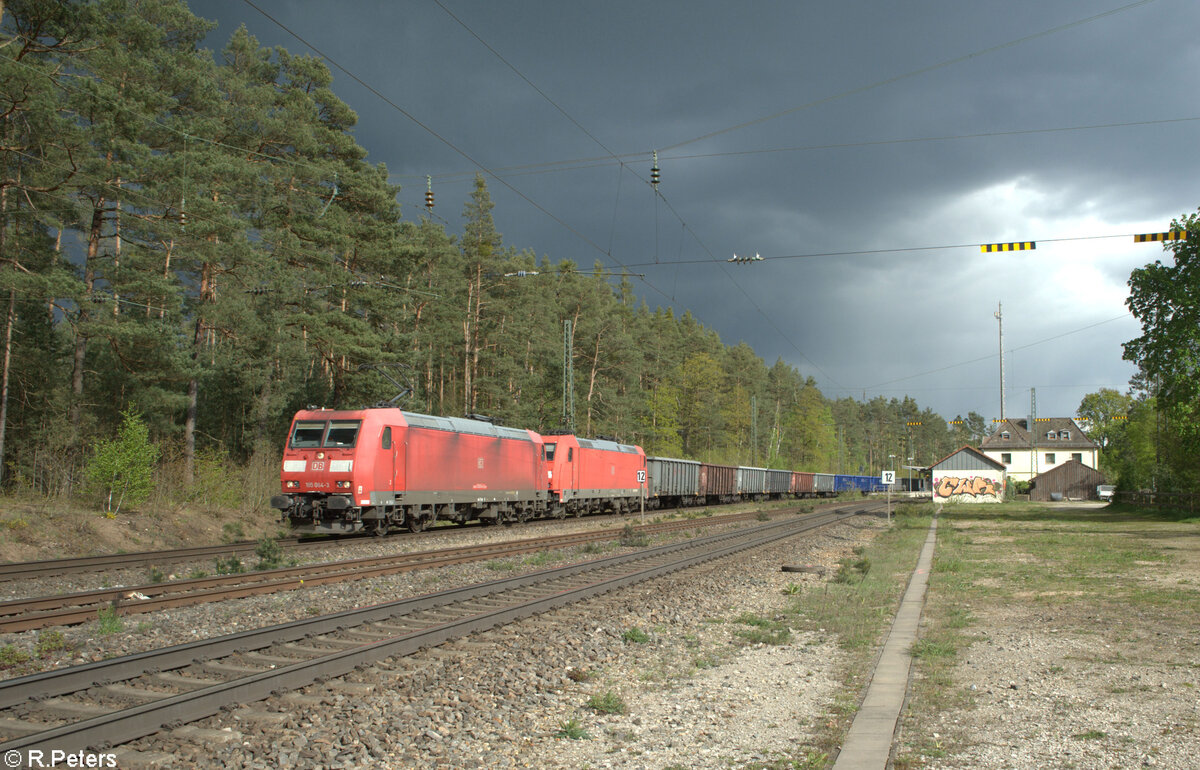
[
  {"x": 293, "y": 485},
  {"x": 343, "y": 485},
  {"x": 320, "y": 455}
]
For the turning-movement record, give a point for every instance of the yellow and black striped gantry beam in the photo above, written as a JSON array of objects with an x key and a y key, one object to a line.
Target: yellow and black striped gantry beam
[
  {"x": 1170, "y": 235},
  {"x": 1015, "y": 246}
]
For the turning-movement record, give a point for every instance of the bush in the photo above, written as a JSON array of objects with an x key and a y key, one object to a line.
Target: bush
[
  {"x": 231, "y": 565},
  {"x": 270, "y": 555},
  {"x": 121, "y": 471},
  {"x": 631, "y": 538},
  {"x": 110, "y": 621}
]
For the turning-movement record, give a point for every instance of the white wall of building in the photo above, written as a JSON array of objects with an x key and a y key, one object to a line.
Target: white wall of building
[{"x": 1023, "y": 465}]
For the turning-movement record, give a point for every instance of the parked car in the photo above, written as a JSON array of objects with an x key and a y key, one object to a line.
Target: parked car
[{"x": 1105, "y": 491}]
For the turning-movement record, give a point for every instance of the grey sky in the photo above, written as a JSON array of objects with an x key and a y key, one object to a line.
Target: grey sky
[{"x": 840, "y": 177}]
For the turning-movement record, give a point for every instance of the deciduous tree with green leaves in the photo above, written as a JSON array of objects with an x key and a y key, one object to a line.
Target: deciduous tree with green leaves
[{"x": 121, "y": 470}]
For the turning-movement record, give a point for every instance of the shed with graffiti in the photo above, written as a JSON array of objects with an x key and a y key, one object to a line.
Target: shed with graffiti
[{"x": 968, "y": 476}]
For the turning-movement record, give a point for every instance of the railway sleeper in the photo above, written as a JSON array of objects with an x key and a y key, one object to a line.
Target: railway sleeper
[
  {"x": 221, "y": 667},
  {"x": 72, "y": 709},
  {"x": 270, "y": 660},
  {"x": 19, "y": 728},
  {"x": 135, "y": 694},
  {"x": 186, "y": 682}
]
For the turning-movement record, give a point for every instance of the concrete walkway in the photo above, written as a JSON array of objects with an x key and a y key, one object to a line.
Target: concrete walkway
[{"x": 868, "y": 744}]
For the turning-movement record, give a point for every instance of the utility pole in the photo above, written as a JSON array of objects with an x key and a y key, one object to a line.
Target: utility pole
[
  {"x": 754, "y": 430},
  {"x": 1000, "y": 317},
  {"x": 568, "y": 399},
  {"x": 1033, "y": 463}
]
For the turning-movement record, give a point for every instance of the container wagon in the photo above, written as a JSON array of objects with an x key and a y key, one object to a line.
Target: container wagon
[
  {"x": 718, "y": 483},
  {"x": 671, "y": 483}
]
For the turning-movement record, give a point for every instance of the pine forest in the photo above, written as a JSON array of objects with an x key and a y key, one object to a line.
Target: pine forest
[{"x": 194, "y": 241}]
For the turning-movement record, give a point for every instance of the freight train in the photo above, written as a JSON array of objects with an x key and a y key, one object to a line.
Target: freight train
[{"x": 377, "y": 469}]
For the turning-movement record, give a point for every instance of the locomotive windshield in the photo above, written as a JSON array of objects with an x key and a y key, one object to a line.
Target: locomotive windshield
[
  {"x": 309, "y": 434},
  {"x": 342, "y": 432}
]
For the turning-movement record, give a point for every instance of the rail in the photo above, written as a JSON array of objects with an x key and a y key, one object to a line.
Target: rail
[{"x": 303, "y": 651}]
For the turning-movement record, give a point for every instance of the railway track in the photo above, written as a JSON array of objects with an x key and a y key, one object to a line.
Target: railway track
[
  {"x": 111, "y": 702},
  {"x": 25, "y": 570},
  {"x": 80, "y": 607}
]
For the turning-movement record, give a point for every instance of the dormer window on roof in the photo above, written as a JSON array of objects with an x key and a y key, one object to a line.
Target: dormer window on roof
[
  {"x": 1004, "y": 435},
  {"x": 1065, "y": 435},
  {"x": 1051, "y": 435}
]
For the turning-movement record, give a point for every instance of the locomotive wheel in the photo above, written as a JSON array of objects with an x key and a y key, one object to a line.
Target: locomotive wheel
[
  {"x": 417, "y": 523},
  {"x": 380, "y": 529}
]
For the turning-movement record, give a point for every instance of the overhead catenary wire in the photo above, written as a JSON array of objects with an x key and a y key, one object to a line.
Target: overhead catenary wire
[
  {"x": 911, "y": 74},
  {"x": 895, "y": 250},
  {"x": 451, "y": 145},
  {"x": 1042, "y": 341},
  {"x": 654, "y": 181},
  {"x": 578, "y": 164}
]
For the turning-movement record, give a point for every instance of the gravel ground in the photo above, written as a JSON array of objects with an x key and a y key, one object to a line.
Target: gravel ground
[
  {"x": 140, "y": 632},
  {"x": 1044, "y": 697},
  {"x": 1080, "y": 682},
  {"x": 693, "y": 695}
]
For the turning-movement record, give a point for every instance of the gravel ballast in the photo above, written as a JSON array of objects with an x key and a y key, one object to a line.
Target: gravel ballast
[{"x": 693, "y": 693}]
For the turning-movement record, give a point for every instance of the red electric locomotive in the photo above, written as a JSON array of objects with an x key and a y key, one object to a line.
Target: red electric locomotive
[
  {"x": 593, "y": 475},
  {"x": 370, "y": 469}
]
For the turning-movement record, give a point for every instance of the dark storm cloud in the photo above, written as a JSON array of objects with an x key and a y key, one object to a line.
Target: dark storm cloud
[{"x": 674, "y": 75}]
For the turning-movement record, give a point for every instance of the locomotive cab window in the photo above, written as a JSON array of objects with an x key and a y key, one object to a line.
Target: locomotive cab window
[
  {"x": 548, "y": 451},
  {"x": 386, "y": 441},
  {"x": 342, "y": 432},
  {"x": 307, "y": 433}
]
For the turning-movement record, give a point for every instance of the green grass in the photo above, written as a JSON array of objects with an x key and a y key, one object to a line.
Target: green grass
[
  {"x": 855, "y": 610},
  {"x": 230, "y": 565},
  {"x": 12, "y": 657},
  {"x": 1091, "y": 735},
  {"x": 631, "y": 538},
  {"x": 50, "y": 642},
  {"x": 540, "y": 559},
  {"x": 1074, "y": 565},
  {"x": 110, "y": 622},
  {"x": 635, "y": 635},
  {"x": 500, "y": 565},
  {"x": 572, "y": 730},
  {"x": 607, "y": 703}
]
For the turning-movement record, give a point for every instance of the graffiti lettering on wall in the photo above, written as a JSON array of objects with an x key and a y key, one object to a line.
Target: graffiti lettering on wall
[{"x": 975, "y": 486}]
